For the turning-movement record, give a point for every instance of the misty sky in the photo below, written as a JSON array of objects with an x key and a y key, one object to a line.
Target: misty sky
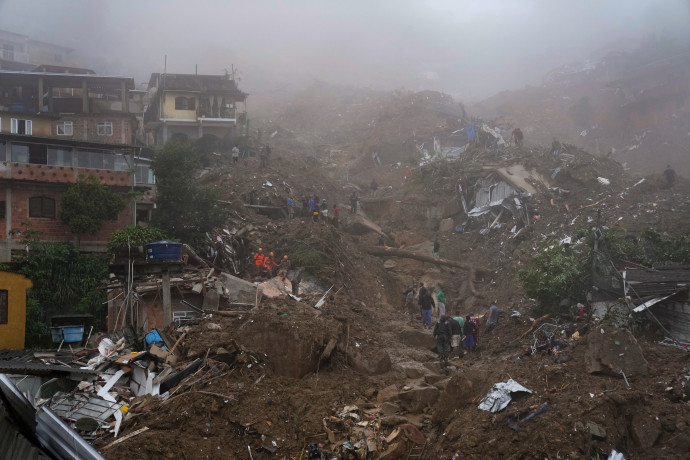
[{"x": 470, "y": 49}]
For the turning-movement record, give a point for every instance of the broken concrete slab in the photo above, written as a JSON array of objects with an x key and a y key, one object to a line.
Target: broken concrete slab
[
  {"x": 239, "y": 290},
  {"x": 418, "y": 397},
  {"x": 611, "y": 351},
  {"x": 597, "y": 431}
]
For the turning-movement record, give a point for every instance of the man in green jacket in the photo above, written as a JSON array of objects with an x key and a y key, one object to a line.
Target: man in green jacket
[{"x": 441, "y": 302}]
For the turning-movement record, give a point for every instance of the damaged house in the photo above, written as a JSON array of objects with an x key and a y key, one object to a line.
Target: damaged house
[
  {"x": 503, "y": 189},
  {"x": 664, "y": 293}
]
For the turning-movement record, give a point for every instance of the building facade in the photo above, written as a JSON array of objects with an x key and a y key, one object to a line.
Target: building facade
[
  {"x": 54, "y": 128},
  {"x": 194, "y": 106}
]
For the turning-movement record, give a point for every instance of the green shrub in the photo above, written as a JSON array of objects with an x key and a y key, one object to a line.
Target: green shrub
[{"x": 134, "y": 235}]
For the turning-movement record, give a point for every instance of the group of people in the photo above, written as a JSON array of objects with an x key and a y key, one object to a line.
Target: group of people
[
  {"x": 452, "y": 333},
  {"x": 266, "y": 265}
]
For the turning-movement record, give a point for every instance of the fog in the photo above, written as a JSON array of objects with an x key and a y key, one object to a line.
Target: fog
[{"x": 470, "y": 49}]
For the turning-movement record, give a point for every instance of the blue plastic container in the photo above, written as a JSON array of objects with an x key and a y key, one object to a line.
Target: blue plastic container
[
  {"x": 164, "y": 251},
  {"x": 56, "y": 334},
  {"x": 73, "y": 334}
]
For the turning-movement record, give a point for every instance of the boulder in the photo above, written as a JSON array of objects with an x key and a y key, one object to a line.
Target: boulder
[
  {"x": 413, "y": 370},
  {"x": 417, "y": 338},
  {"x": 374, "y": 363},
  {"x": 390, "y": 393},
  {"x": 644, "y": 431},
  {"x": 389, "y": 408},
  {"x": 418, "y": 397},
  {"x": 612, "y": 351},
  {"x": 394, "y": 451}
]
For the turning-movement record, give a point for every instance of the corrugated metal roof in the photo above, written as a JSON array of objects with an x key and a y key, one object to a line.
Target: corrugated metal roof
[{"x": 18, "y": 367}]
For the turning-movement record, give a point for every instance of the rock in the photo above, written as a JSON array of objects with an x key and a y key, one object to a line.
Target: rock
[
  {"x": 446, "y": 225},
  {"x": 432, "y": 378},
  {"x": 213, "y": 326},
  {"x": 597, "y": 431},
  {"x": 395, "y": 450},
  {"x": 613, "y": 351},
  {"x": 644, "y": 431},
  {"x": 390, "y": 393},
  {"x": 413, "y": 433},
  {"x": 389, "y": 264},
  {"x": 418, "y": 397},
  {"x": 417, "y": 338},
  {"x": 375, "y": 363},
  {"x": 442, "y": 384},
  {"x": 389, "y": 408},
  {"x": 413, "y": 370}
]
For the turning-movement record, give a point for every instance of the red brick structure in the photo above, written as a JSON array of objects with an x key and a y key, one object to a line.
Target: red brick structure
[{"x": 55, "y": 125}]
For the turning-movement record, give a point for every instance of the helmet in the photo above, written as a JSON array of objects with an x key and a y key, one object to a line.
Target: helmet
[
  {"x": 261, "y": 250},
  {"x": 323, "y": 199},
  {"x": 284, "y": 257}
]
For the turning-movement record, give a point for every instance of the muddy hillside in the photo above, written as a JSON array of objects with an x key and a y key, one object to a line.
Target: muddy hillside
[{"x": 342, "y": 363}]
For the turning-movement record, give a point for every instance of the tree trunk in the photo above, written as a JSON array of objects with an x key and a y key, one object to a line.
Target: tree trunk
[{"x": 395, "y": 252}]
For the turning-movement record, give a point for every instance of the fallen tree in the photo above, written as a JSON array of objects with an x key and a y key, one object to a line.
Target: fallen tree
[{"x": 388, "y": 251}]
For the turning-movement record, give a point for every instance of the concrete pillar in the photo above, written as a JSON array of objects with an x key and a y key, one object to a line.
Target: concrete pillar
[
  {"x": 40, "y": 95},
  {"x": 125, "y": 97},
  {"x": 6, "y": 255},
  {"x": 167, "y": 305},
  {"x": 84, "y": 97}
]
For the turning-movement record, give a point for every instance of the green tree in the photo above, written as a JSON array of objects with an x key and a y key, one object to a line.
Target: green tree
[
  {"x": 185, "y": 210},
  {"x": 87, "y": 204}
]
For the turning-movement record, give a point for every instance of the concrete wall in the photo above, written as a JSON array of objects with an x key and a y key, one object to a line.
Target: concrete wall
[
  {"x": 169, "y": 105},
  {"x": 40, "y": 126},
  {"x": 86, "y": 129},
  {"x": 12, "y": 333}
]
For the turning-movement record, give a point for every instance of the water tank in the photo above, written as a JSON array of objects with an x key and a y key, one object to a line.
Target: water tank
[{"x": 164, "y": 251}]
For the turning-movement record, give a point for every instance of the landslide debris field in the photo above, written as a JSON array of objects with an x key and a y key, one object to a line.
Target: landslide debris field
[{"x": 286, "y": 374}]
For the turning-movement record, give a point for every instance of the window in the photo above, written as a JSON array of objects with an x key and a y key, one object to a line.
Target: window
[
  {"x": 19, "y": 126},
  {"x": 144, "y": 175},
  {"x": 2, "y": 209},
  {"x": 104, "y": 128},
  {"x": 35, "y": 154},
  {"x": 41, "y": 206},
  {"x": 185, "y": 103},
  {"x": 58, "y": 156},
  {"x": 4, "y": 307},
  {"x": 3, "y": 154},
  {"x": 64, "y": 128},
  {"x": 20, "y": 153}
]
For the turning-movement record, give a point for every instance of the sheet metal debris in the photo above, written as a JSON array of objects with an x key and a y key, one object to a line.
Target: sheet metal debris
[{"x": 500, "y": 395}]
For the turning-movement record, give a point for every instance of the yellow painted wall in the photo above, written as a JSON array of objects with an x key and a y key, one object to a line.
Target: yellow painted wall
[
  {"x": 169, "y": 105},
  {"x": 40, "y": 126},
  {"x": 12, "y": 333}
]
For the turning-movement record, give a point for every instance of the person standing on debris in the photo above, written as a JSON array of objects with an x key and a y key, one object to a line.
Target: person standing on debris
[
  {"x": 259, "y": 258},
  {"x": 456, "y": 338},
  {"x": 353, "y": 203},
  {"x": 267, "y": 152},
  {"x": 290, "y": 208},
  {"x": 443, "y": 333},
  {"x": 295, "y": 276},
  {"x": 437, "y": 248},
  {"x": 269, "y": 264},
  {"x": 517, "y": 136},
  {"x": 373, "y": 187},
  {"x": 556, "y": 149},
  {"x": 670, "y": 176},
  {"x": 283, "y": 268},
  {"x": 324, "y": 211},
  {"x": 305, "y": 206},
  {"x": 336, "y": 215},
  {"x": 493, "y": 319},
  {"x": 441, "y": 304},
  {"x": 235, "y": 154},
  {"x": 426, "y": 303},
  {"x": 263, "y": 162},
  {"x": 408, "y": 173},
  {"x": 470, "y": 331},
  {"x": 423, "y": 292}
]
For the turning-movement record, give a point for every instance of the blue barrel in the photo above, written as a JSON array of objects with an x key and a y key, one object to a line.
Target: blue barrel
[{"x": 164, "y": 251}]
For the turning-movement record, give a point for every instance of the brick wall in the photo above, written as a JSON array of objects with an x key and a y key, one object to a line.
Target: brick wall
[
  {"x": 86, "y": 129},
  {"x": 53, "y": 229}
]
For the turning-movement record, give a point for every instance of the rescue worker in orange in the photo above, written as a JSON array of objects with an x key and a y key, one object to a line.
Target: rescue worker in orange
[
  {"x": 269, "y": 264},
  {"x": 259, "y": 259}
]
